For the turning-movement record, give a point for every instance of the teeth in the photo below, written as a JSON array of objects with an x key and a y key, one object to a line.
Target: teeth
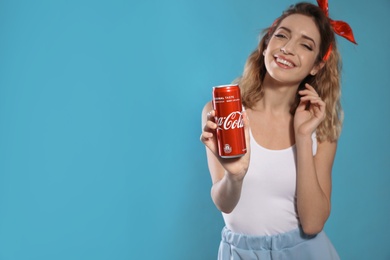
[{"x": 284, "y": 62}]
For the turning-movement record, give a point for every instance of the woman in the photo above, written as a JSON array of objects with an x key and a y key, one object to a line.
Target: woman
[{"x": 275, "y": 199}]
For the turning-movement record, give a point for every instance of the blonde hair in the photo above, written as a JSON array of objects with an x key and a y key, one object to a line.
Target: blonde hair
[{"x": 326, "y": 82}]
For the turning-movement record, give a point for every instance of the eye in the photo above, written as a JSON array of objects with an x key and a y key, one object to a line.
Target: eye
[
  {"x": 308, "y": 47},
  {"x": 280, "y": 35}
]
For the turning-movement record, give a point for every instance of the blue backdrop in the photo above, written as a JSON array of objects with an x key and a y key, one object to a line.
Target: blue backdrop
[{"x": 100, "y": 105}]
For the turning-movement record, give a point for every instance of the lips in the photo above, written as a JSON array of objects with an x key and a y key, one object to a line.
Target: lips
[{"x": 285, "y": 63}]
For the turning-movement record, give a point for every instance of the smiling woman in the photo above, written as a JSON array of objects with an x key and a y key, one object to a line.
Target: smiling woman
[
  {"x": 292, "y": 53},
  {"x": 275, "y": 199}
]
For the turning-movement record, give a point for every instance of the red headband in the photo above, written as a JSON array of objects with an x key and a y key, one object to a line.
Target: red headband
[{"x": 339, "y": 27}]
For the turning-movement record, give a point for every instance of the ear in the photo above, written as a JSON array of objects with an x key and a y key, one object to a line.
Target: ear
[{"x": 317, "y": 68}]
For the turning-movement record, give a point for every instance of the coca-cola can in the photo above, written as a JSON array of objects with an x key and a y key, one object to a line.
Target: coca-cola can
[{"x": 228, "y": 116}]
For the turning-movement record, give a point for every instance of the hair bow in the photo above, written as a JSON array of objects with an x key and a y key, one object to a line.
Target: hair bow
[{"x": 339, "y": 27}]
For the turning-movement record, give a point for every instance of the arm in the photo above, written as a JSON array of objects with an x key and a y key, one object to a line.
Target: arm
[
  {"x": 314, "y": 182},
  {"x": 226, "y": 174}
]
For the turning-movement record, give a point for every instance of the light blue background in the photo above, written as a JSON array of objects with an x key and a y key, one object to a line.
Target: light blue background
[{"x": 100, "y": 106}]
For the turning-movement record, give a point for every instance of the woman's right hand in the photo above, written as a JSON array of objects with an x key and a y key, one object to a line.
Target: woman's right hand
[{"x": 235, "y": 167}]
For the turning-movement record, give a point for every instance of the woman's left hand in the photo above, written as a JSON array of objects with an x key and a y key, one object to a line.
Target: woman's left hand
[{"x": 309, "y": 113}]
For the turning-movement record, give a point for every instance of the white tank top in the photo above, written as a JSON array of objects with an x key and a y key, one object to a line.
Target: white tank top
[{"x": 267, "y": 205}]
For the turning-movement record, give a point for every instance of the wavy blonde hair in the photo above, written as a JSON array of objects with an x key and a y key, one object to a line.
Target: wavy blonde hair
[{"x": 326, "y": 82}]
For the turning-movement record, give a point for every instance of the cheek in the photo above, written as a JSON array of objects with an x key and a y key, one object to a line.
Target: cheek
[
  {"x": 309, "y": 61},
  {"x": 269, "y": 52},
  {"x": 268, "y": 59}
]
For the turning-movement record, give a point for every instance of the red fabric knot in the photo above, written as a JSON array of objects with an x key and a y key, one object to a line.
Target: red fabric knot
[{"x": 341, "y": 28}]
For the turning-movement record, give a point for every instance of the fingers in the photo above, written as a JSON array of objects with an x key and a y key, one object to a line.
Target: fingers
[
  {"x": 210, "y": 123},
  {"x": 209, "y": 127},
  {"x": 310, "y": 94},
  {"x": 309, "y": 91},
  {"x": 211, "y": 115},
  {"x": 309, "y": 103},
  {"x": 313, "y": 99}
]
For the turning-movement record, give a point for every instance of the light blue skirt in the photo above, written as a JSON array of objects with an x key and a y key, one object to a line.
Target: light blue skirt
[{"x": 290, "y": 246}]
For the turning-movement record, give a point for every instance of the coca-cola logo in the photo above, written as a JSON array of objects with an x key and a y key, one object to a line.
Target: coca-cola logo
[{"x": 232, "y": 121}]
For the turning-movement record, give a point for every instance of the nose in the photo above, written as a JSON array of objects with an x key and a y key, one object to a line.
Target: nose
[{"x": 288, "y": 48}]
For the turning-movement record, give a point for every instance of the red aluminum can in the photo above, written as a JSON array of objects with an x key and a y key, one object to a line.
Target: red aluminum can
[{"x": 228, "y": 116}]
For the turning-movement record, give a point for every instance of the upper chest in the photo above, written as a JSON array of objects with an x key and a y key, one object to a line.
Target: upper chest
[{"x": 272, "y": 131}]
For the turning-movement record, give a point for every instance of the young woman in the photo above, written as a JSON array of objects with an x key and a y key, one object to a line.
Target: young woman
[{"x": 275, "y": 199}]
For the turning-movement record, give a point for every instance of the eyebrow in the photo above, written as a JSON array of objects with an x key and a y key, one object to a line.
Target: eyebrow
[{"x": 303, "y": 35}]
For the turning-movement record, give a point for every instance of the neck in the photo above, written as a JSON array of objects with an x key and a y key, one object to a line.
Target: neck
[{"x": 278, "y": 97}]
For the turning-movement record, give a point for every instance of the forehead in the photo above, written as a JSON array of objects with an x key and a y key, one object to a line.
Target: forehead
[{"x": 301, "y": 25}]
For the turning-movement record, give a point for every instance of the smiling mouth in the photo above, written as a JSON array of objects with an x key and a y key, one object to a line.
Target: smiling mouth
[{"x": 285, "y": 62}]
